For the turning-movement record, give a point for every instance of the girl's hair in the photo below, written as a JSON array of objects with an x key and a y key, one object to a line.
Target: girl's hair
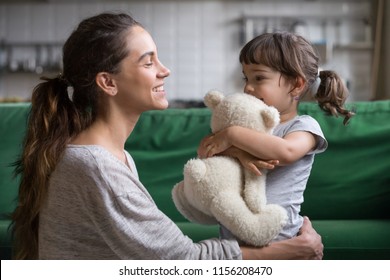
[
  {"x": 293, "y": 56},
  {"x": 98, "y": 44}
]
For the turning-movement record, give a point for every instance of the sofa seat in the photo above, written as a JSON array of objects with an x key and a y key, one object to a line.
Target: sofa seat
[{"x": 343, "y": 239}]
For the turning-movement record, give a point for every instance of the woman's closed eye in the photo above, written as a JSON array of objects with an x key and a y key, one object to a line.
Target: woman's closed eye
[{"x": 149, "y": 64}]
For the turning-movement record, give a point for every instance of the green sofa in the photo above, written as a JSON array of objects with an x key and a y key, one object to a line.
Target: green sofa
[{"x": 347, "y": 197}]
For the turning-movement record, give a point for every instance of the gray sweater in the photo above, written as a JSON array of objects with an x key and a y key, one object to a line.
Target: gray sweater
[{"x": 98, "y": 209}]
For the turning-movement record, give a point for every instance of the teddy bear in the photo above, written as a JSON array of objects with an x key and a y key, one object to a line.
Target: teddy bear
[{"x": 219, "y": 190}]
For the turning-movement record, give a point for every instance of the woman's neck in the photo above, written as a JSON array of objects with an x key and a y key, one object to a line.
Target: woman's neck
[{"x": 109, "y": 133}]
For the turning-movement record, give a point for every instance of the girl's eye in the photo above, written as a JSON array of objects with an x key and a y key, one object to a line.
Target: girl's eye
[
  {"x": 245, "y": 79},
  {"x": 149, "y": 64},
  {"x": 259, "y": 78}
]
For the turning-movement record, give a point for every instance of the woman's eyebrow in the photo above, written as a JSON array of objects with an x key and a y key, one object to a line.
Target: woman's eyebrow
[{"x": 151, "y": 53}]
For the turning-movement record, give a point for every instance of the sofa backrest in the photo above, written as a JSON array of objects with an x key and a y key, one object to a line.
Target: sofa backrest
[
  {"x": 13, "y": 121},
  {"x": 351, "y": 180},
  {"x": 161, "y": 143}
]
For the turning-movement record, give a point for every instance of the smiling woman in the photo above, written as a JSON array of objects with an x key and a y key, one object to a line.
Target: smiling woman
[
  {"x": 143, "y": 71},
  {"x": 80, "y": 196}
]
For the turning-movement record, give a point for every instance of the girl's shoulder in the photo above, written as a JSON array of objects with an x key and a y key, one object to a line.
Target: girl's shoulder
[
  {"x": 303, "y": 123},
  {"x": 299, "y": 123}
]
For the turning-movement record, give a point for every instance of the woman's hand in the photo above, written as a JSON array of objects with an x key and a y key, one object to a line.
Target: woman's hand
[
  {"x": 306, "y": 246},
  {"x": 313, "y": 248}
]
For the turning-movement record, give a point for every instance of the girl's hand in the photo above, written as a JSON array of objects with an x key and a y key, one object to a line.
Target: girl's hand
[
  {"x": 213, "y": 144},
  {"x": 256, "y": 165},
  {"x": 247, "y": 160},
  {"x": 202, "y": 149},
  {"x": 251, "y": 162}
]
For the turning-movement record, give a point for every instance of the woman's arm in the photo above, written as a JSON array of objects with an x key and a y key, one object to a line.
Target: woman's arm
[
  {"x": 261, "y": 145},
  {"x": 306, "y": 246}
]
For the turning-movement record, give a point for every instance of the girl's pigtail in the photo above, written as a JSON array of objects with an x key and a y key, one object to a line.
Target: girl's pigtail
[{"x": 332, "y": 94}]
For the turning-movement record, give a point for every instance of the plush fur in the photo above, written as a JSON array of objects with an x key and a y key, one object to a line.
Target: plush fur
[{"x": 219, "y": 189}]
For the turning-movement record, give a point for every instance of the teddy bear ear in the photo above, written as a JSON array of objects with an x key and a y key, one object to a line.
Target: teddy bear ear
[
  {"x": 213, "y": 98},
  {"x": 271, "y": 117}
]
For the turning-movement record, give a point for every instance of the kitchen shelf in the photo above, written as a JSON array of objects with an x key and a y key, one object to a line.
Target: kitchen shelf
[{"x": 25, "y": 57}]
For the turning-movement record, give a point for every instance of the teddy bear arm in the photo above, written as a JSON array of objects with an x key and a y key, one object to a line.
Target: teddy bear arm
[
  {"x": 254, "y": 191},
  {"x": 187, "y": 210},
  {"x": 254, "y": 229}
]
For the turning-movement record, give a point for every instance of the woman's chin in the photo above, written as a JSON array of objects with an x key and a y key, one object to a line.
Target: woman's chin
[{"x": 161, "y": 101}]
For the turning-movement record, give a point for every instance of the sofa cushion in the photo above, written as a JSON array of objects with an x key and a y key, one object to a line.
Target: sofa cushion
[
  {"x": 5, "y": 240},
  {"x": 354, "y": 239},
  {"x": 342, "y": 239}
]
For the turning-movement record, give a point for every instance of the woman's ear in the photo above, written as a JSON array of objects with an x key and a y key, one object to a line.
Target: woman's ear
[{"x": 106, "y": 83}]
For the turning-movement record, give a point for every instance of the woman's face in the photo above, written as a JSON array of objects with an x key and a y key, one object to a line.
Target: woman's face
[{"x": 140, "y": 82}]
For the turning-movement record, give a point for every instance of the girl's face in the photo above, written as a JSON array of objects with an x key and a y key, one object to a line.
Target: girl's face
[
  {"x": 140, "y": 82},
  {"x": 269, "y": 86}
]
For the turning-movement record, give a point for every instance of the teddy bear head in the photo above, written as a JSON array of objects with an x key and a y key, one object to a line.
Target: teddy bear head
[{"x": 240, "y": 109}]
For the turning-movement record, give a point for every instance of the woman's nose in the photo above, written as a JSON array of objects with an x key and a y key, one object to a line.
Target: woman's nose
[{"x": 164, "y": 71}]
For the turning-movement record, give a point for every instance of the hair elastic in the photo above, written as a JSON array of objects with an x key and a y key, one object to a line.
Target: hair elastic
[
  {"x": 69, "y": 87},
  {"x": 314, "y": 87},
  {"x": 63, "y": 80}
]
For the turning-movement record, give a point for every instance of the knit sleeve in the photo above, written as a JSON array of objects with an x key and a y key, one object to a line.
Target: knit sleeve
[{"x": 134, "y": 228}]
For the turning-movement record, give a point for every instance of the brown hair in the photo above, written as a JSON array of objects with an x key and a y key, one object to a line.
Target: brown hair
[
  {"x": 98, "y": 44},
  {"x": 293, "y": 56}
]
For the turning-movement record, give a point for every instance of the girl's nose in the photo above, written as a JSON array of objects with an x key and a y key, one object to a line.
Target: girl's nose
[{"x": 248, "y": 89}]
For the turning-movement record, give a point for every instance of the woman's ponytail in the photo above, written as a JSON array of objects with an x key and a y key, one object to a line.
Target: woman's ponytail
[{"x": 53, "y": 120}]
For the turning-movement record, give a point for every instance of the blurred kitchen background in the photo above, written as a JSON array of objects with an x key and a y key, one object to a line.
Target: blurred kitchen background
[{"x": 199, "y": 40}]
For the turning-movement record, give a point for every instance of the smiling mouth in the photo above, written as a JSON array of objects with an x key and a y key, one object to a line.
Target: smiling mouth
[{"x": 158, "y": 89}]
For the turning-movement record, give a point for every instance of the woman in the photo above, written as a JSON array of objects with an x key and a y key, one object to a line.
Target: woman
[{"x": 80, "y": 196}]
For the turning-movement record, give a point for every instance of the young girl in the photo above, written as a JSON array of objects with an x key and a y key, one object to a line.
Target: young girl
[
  {"x": 279, "y": 69},
  {"x": 80, "y": 196}
]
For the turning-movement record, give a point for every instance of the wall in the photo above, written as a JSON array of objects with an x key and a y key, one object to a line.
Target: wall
[
  {"x": 386, "y": 46},
  {"x": 383, "y": 87},
  {"x": 199, "y": 40}
]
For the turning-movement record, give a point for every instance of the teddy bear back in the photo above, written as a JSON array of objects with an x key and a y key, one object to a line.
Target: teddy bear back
[{"x": 240, "y": 109}]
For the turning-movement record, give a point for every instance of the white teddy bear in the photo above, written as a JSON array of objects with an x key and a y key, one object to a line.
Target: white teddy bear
[{"x": 219, "y": 190}]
